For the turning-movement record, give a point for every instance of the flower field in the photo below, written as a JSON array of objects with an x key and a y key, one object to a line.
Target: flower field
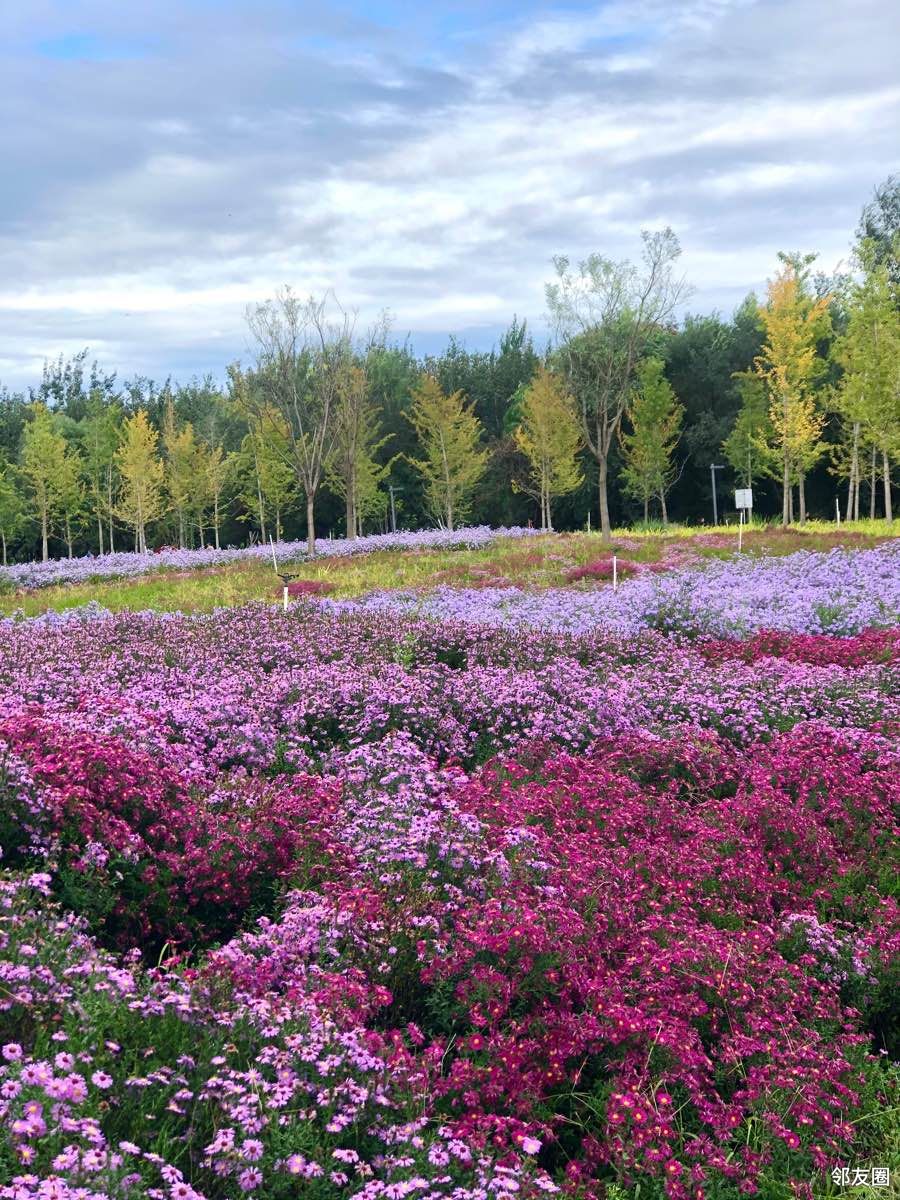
[
  {"x": 126, "y": 564},
  {"x": 470, "y": 894}
]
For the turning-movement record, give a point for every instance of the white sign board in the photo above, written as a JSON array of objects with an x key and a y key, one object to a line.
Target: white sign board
[{"x": 743, "y": 498}]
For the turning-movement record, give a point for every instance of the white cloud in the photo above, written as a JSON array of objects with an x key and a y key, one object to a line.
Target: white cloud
[{"x": 178, "y": 189}]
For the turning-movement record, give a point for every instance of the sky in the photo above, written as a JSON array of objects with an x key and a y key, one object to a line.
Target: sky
[{"x": 167, "y": 163}]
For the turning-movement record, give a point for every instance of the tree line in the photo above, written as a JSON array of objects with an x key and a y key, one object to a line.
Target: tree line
[{"x": 621, "y": 414}]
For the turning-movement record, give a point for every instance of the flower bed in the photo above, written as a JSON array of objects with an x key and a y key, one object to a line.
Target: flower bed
[
  {"x": 351, "y": 903},
  {"x": 125, "y": 564}
]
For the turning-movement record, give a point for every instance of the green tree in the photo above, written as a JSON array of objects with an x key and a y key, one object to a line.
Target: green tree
[
  {"x": 100, "y": 430},
  {"x": 606, "y": 316},
  {"x": 13, "y": 516},
  {"x": 879, "y": 225},
  {"x": 302, "y": 351},
  {"x": 44, "y": 466},
  {"x": 868, "y": 394},
  {"x": 549, "y": 435},
  {"x": 143, "y": 477},
  {"x": 789, "y": 366},
  {"x": 655, "y": 416},
  {"x": 216, "y": 471},
  {"x": 268, "y": 484},
  {"x": 353, "y": 470},
  {"x": 70, "y": 492},
  {"x": 748, "y": 446},
  {"x": 450, "y": 439},
  {"x": 183, "y": 473}
]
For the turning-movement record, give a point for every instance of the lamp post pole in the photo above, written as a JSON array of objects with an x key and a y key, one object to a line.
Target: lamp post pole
[{"x": 712, "y": 474}]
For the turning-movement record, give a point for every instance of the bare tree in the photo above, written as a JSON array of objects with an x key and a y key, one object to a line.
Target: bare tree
[
  {"x": 302, "y": 349},
  {"x": 605, "y": 315}
]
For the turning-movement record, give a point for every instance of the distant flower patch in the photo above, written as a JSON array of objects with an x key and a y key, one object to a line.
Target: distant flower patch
[
  {"x": 602, "y": 568},
  {"x": 310, "y": 587}
]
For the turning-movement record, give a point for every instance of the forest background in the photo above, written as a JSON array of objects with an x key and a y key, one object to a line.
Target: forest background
[{"x": 618, "y": 417}]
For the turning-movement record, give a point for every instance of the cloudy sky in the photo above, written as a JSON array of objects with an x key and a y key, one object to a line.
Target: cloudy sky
[{"x": 165, "y": 162}]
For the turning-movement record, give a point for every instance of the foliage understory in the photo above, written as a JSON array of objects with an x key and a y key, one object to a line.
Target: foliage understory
[{"x": 364, "y": 905}]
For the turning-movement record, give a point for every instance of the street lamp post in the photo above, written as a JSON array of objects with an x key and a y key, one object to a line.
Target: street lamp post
[{"x": 712, "y": 474}]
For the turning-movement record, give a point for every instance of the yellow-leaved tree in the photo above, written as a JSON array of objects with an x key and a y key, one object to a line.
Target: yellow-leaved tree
[
  {"x": 142, "y": 474},
  {"x": 789, "y": 366},
  {"x": 549, "y": 435},
  {"x": 454, "y": 460}
]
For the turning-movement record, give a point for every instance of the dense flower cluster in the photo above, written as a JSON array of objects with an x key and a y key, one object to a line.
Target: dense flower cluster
[
  {"x": 125, "y": 564},
  {"x": 365, "y": 905},
  {"x": 838, "y": 592}
]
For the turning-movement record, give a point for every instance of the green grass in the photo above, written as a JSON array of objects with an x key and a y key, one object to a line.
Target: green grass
[{"x": 535, "y": 562}]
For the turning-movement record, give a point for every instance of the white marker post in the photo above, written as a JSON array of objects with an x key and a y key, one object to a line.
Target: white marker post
[
  {"x": 615, "y": 574},
  {"x": 837, "y": 509},
  {"x": 284, "y": 590},
  {"x": 743, "y": 502}
]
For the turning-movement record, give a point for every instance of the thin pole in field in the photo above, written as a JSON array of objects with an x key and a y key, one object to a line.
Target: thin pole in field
[
  {"x": 837, "y": 509},
  {"x": 740, "y": 531},
  {"x": 615, "y": 574}
]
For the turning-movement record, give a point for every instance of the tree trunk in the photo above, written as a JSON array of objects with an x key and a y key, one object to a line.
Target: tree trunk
[
  {"x": 853, "y": 487},
  {"x": 100, "y": 528},
  {"x": 662, "y": 503},
  {"x": 69, "y": 535},
  {"x": 310, "y": 524},
  {"x": 109, "y": 503},
  {"x": 603, "y": 476},
  {"x": 180, "y": 529},
  {"x": 45, "y": 548},
  {"x": 216, "y": 519},
  {"x": 3, "y": 536},
  {"x": 786, "y": 496},
  {"x": 872, "y": 481},
  {"x": 646, "y": 510},
  {"x": 801, "y": 487},
  {"x": 888, "y": 510},
  {"x": 349, "y": 514}
]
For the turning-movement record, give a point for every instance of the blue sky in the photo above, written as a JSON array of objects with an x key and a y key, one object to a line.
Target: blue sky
[{"x": 168, "y": 163}]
